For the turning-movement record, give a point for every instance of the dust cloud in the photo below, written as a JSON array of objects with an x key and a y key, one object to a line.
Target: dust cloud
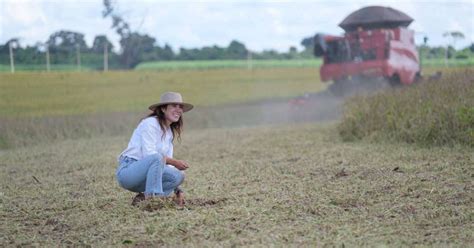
[{"x": 323, "y": 106}]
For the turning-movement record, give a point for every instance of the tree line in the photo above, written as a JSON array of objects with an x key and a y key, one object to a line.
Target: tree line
[
  {"x": 69, "y": 47},
  {"x": 64, "y": 47}
]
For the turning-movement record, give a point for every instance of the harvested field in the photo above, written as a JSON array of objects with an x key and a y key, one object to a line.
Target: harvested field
[
  {"x": 268, "y": 168},
  {"x": 286, "y": 185}
]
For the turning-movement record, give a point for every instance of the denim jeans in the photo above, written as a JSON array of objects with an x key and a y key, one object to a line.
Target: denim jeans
[{"x": 149, "y": 175}]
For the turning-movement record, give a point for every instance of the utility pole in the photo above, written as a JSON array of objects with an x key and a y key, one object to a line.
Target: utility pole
[
  {"x": 48, "y": 67},
  {"x": 12, "y": 62},
  {"x": 446, "y": 56},
  {"x": 106, "y": 56},
  {"x": 78, "y": 56},
  {"x": 425, "y": 43},
  {"x": 249, "y": 60}
]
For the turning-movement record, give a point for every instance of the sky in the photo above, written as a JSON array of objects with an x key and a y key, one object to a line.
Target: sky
[{"x": 260, "y": 25}]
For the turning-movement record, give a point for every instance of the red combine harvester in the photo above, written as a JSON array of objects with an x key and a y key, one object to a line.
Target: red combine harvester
[{"x": 376, "y": 44}]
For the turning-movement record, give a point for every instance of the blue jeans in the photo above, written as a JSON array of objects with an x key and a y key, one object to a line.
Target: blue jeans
[{"x": 149, "y": 175}]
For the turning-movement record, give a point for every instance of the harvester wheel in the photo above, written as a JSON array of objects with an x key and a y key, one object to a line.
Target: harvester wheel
[
  {"x": 394, "y": 81},
  {"x": 418, "y": 77}
]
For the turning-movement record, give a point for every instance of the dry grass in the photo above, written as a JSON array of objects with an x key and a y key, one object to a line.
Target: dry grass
[
  {"x": 73, "y": 93},
  {"x": 293, "y": 185},
  {"x": 431, "y": 113},
  {"x": 261, "y": 186},
  {"x": 43, "y": 107},
  {"x": 26, "y": 131}
]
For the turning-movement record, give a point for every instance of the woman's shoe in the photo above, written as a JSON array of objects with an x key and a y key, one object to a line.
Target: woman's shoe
[
  {"x": 138, "y": 198},
  {"x": 178, "y": 198}
]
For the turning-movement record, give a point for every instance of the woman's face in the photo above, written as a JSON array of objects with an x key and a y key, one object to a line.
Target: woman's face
[{"x": 172, "y": 112}]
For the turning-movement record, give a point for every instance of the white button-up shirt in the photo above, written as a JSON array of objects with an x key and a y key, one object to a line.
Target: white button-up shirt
[{"x": 148, "y": 139}]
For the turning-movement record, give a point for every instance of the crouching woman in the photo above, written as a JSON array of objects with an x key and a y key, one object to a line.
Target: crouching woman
[{"x": 147, "y": 166}]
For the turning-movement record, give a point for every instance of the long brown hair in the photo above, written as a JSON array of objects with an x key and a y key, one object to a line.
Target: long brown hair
[{"x": 176, "y": 127}]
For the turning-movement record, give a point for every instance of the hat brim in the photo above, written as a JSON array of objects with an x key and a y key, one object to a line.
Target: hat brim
[{"x": 186, "y": 106}]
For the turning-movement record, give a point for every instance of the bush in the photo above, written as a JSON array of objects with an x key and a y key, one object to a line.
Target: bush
[
  {"x": 462, "y": 56},
  {"x": 430, "y": 113}
]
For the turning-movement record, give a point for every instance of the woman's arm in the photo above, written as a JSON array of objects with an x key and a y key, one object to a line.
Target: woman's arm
[
  {"x": 179, "y": 164},
  {"x": 150, "y": 136}
]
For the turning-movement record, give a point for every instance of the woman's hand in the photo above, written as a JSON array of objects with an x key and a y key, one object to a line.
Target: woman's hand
[{"x": 179, "y": 164}]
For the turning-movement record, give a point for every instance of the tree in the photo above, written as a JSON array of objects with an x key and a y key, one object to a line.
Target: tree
[
  {"x": 451, "y": 52},
  {"x": 212, "y": 52},
  {"x": 292, "y": 52},
  {"x": 4, "y": 49},
  {"x": 64, "y": 44},
  {"x": 269, "y": 54},
  {"x": 188, "y": 54},
  {"x": 436, "y": 52},
  {"x": 135, "y": 47},
  {"x": 166, "y": 53},
  {"x": 100, "y": 41},
  {"x": 236, "y": 50},
  {"x": 118, "y": 23},
  {"x": 455, "y": 35},
  {"x": 66, "y": 41},
  {"x": 308, "y": 43}
]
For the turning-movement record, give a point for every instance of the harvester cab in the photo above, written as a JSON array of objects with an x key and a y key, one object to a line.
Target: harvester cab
[{"x": 376, "y": 45}]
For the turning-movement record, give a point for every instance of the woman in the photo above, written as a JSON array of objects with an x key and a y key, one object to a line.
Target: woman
[{"x": 147, "y": 165}]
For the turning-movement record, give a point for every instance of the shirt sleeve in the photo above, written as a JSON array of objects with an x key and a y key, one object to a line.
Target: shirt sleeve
[{"x": 150, "y": 136}]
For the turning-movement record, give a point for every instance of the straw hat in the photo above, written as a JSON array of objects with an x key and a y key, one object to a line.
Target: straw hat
[{"x": 170, "y": 98}]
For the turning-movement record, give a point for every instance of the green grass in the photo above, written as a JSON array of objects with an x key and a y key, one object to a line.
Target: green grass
[
  {"x": 431, "y": 113},
  {"x": 223, "y": 64},
  {"x": 182, "y": 65},
  {"x": 315, "y": 63},
  {"x": 54, "y": 67},
  {"x": 71, "y": 93},
  {"x": 450, "y": 62},
  {"x": 268, "y": 186},
  {"x": 213, "y": 64}
]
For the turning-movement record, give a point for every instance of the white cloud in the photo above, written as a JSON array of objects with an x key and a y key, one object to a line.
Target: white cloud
[
  {"x": 259, "y": 24},
  {"x": 20, "y": 18},
  {"x": 25, "y": 13}
]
